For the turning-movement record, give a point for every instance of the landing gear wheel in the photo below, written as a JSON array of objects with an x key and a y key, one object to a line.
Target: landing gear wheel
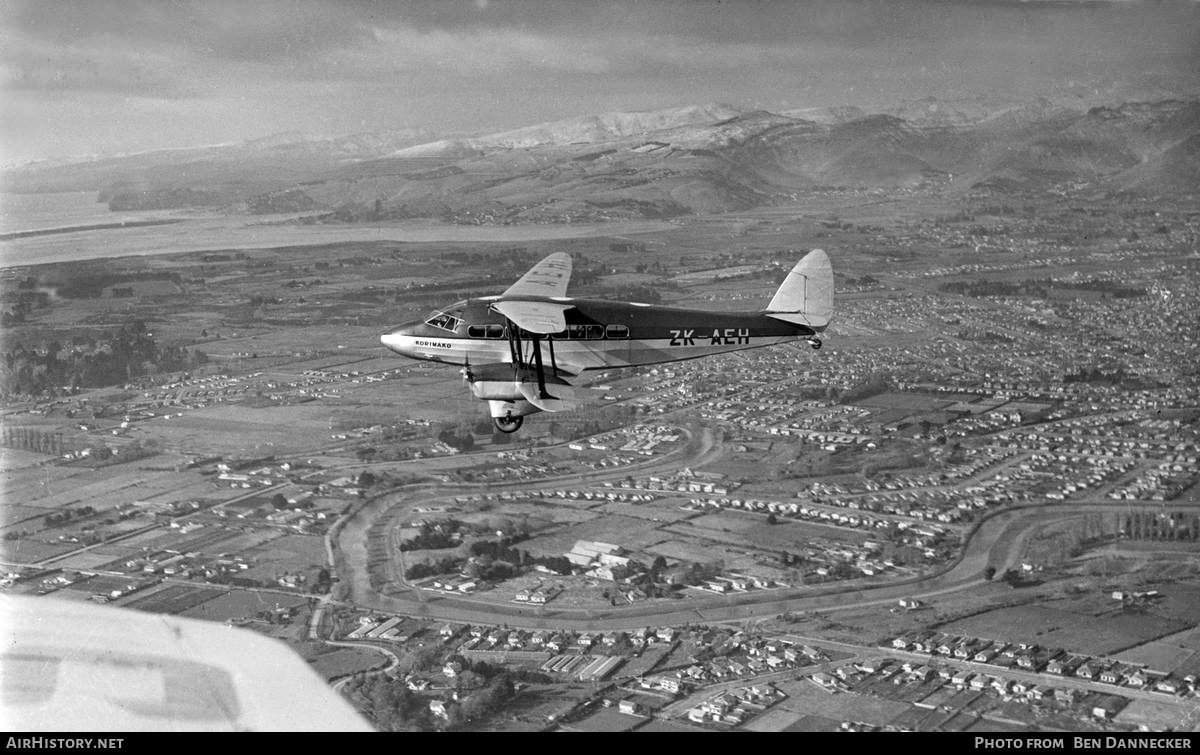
[
  {"x": 815, "y": 343},
  {"x": 508, "y": 424}
]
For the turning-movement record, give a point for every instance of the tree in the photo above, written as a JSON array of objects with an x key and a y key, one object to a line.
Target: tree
[
  {"x": 989, "y": 572},
  {"x": 279, "y": 502}
]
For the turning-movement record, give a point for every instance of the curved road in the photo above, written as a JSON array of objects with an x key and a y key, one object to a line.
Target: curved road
[{"x": 998, "y": 541}]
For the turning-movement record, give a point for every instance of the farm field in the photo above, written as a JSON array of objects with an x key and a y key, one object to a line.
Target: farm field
[{"x": 1054, "y": 627}]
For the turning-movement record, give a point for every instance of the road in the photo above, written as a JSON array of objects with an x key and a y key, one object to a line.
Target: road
[{"x": 998, "y": 541}]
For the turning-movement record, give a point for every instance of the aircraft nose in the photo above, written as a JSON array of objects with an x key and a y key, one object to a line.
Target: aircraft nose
[{"x": 398, "y": 339}]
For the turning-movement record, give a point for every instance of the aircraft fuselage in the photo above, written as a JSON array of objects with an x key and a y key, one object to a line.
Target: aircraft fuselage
[{"x": 599, "y": 335}]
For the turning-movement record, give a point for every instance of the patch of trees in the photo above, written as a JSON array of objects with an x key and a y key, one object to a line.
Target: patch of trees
[
  {"x": 995, "y": 288},
  {"x": 592, "y": 421},
  {"x": 323, "y": 582},
  {"x": 388, "y": 703},
  {"x": 1158, "y": 525},
  {"x": 456, "y": 438},
  {"x": 32, "y": 439},
  {"x": 447, "y": 565},
  {"x": 873, "y": 385},
  {"x": 66, "y": 515},
  {"x": 91, "y": 284},
  {"x": 434, "y": 536},
  {"x": 1039, "y": 287},
  {"x": 24, "y": 303},
  {"x": 1117, "y": 377},
  {"x": 130, "y": 352}
]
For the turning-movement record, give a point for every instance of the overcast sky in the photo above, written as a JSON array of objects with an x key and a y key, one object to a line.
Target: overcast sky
[{"x": 101, "y": 77}]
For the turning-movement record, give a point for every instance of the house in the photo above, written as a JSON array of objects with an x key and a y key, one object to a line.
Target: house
[
  {"x": 825, "y": 680},
  {"x": 629, "y": 707},
  {"x": 440, "y": 708},
  {"x": 1030, "y": 661},
  {"x": 1066, "y": 695},
  {"x": 668, "y": 684},
  {"x": 1169, "y": 686}
]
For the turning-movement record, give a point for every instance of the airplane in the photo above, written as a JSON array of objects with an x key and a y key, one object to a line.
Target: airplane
[
  {"x": 520, "y": 349},
  {"x": 70, "y": 666}
]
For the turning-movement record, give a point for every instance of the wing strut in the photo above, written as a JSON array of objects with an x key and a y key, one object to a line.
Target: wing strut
[
  {"x": 541, "y": 372},
  {"x": 517, "y": 349}
]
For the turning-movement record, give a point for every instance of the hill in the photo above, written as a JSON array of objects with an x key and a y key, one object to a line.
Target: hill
[{"x": 659, "y": 164}]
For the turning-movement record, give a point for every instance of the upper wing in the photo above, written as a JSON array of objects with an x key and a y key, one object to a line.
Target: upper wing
[
  {"x": 535, "y": 316},
  {"x": 547, "y": 278},
  {"x": 71, "y": 666}
]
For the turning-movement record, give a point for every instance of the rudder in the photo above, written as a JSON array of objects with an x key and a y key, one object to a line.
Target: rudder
[{"x": 806, "y": 294}]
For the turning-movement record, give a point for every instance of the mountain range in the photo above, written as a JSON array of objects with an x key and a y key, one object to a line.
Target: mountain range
[{"x": 664, "y": 163}]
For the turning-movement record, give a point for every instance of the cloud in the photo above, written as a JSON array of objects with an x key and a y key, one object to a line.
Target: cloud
[
  {"x": 54, "y": 71},
  {"x": 222, "y": 70},
  {"x": 482, "y": 51}
]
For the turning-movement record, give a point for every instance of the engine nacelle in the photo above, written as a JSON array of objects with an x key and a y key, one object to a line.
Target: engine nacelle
[
  {"x": 497, "y": 390},
  {"x": 517, "y": 408}
]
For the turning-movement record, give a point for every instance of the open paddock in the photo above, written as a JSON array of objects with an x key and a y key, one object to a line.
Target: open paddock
[
  {"x": 237, "y": 604},
  {"x": 101, "y": 488},
  {"x": 910, "y": 402},
  {"x": 16, "y": 516},
  {"x": 86, "y": 560},
  {"x": 32, "y": 551},
  {"x": 209, "y": 540},
  {"x": 100, "y": 584},
  {"x": 1158, "y": 655},
  {"x": 652, "y": 512},
  {"x": 341, "y": 662},
  {"x": 1053, "y": 627},
  {"x": 753, "y": 531},
  {"x": 805, "y": 698},
  {"x": 174, "y": 599},
  {"x": 291, "y": 553},
  {"x": 233, "y": 430},
  {"x": 628, "y": 532},
  {"x": 13, "y": 459},
  {"x": 1154, "y": 716}
]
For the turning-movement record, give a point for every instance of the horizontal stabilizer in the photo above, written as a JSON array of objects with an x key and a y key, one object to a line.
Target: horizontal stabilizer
[
  {"x": 535, "y": 316},
  {"x": 806, "y": 296}
]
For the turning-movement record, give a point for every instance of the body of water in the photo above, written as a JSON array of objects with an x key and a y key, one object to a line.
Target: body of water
[
  {"x": 28, "y": 212},
  {"x": 37, "y": 212}
]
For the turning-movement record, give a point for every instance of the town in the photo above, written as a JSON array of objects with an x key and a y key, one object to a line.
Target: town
[{"x": 974, "y": 509}]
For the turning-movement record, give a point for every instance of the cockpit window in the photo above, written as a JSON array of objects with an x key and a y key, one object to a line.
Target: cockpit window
[{"x": 445, "y": 320}]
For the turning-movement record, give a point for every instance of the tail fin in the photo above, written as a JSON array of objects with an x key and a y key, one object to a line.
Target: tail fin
[{"x": 806, "y": 296}]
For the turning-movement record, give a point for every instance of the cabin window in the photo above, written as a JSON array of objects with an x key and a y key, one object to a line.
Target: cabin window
[
  {"x": 444, "y": 321},
  {"x": 617, "y": 331},
  {"x": 485, "y": 331},
  {"x": 585, "y": 332}
]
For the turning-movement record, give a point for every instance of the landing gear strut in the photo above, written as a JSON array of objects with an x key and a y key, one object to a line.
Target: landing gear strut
[
  {"x": 508, "y": 424},
  {"x": 814, "y": 342}
]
